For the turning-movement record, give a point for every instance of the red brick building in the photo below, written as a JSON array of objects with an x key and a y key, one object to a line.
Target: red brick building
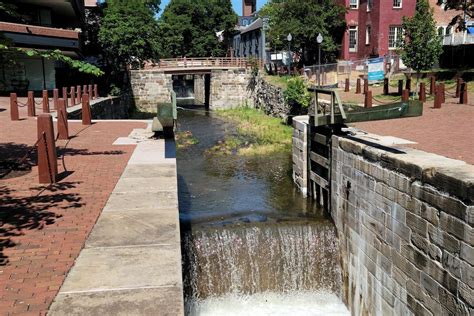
[{"x": 373, "y": 27}]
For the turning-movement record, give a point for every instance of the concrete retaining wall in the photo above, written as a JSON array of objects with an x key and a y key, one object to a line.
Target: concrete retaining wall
[
  {"x": 109, "y": 108},
  {"x": 405, "y": 226}
]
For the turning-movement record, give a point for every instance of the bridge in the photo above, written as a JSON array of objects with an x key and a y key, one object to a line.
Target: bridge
[{"x": 200, "y": 65}]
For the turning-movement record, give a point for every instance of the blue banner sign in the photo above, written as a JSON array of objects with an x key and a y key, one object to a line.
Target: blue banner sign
[{"x": 376, "y": 69}]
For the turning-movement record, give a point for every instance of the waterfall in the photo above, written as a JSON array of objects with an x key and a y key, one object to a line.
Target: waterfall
[{"x": 279, "y": 258}]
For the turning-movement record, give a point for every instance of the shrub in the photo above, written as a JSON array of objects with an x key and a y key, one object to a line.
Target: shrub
[{"x": 297, "y": 92}]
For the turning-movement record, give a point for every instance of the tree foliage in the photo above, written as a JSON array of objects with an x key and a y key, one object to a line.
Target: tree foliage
[
  {"x": 129, "y": 31},
  {"x": 422, "y": 46},
  {"x": 188, "y": 28},
  {"x": 467, "y": 8},
  {"x": 305, "y": 19}
]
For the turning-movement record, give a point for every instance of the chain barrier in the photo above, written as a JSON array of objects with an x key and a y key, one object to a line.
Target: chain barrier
[
  {"x": 22, "y": 159},
  {"x": 384, "y": 102}
]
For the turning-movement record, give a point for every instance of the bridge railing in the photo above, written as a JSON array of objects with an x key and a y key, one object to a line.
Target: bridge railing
[{"x": 224, "y": 62}]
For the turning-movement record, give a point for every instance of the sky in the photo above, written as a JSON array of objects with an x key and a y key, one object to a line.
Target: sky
[{"x": 237, "y": 4}]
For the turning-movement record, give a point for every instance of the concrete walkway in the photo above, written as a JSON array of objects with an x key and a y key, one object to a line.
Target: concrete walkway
[{"x": 131, "y": 263}]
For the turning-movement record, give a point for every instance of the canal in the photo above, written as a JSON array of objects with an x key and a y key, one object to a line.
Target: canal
[{"x": 252, "y": 245}]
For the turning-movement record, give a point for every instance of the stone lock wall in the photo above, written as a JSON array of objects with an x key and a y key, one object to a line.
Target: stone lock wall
[
  {"x": 149, "y": 88},
  {"x": 270, "y": 99},
  {"x": 300, "y": 153},
  {"x": 230, "y": 89},
  {"x": 199, "y": 89},
  {"x": 405, "y": 227}
]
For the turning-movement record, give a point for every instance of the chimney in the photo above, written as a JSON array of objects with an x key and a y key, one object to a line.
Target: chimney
[{"x": 249, "y": 7}]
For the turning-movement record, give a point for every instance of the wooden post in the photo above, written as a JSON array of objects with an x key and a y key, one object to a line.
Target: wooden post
[
  {"x": 358, "y": 86},
  {"x": 400, "y": 87},
  {"x": 368, "y": 99},
  {"x": 14, "y": 114},
  {"x": 432, "y": 85},
  {"x": 55, "y": 98},
  {"x": 47, "y": 162},
  {"x": 366, "y": 85},
  {"x": 84, "y": 89},
  {"x": 408, "y": 84},
  {"x": 31, "y": 104},
  {"x": 96, "y": 91},
  {"x": 422, "y": 95},
  {"x": 63, "y": 130},
  {"x": 437, "y": 100},
  {"x": 86, "y": 110},
  {"x": 346, "y": 88},
  {"x": 73, "y": 96},
  {"x": 64, "y": 96},
  {"x": 79, "y": 94},
  {"x": 442, "y": 94},
  {"x": 385, "y": 86},
  {"x": 463, "y": 93},
  {"x": 458, "y": 87},
  {"x": 90, "y": 91},
  {"x": 45, "y": 101},
  {"x": 405, "y": 95}
]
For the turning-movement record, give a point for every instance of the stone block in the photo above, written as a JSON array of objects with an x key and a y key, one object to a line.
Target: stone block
[
  {"x": 429, "y": 213},
  {"x": 467, "y": 253},
  {"x": 466, "y": 293},
  {"x": 457, "y": 228},
  {"x": 416, "y": 307},
  {"x": 467, "y": 274},
  {"x": 417, "y": 224},
  {"x": 429, "y": 284},
  {"x": 452, "y": 264},
  {"x": 451, "y": 303}
]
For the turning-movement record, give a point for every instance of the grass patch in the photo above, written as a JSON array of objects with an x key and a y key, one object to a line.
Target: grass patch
[
  {"x": 258, "y": 133},
  {"x": 185, "y": 139},
  {"x": 279, "y": 81}
]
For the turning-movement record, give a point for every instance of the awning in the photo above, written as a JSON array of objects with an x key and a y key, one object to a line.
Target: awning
[{"x": 470, "y": 29}]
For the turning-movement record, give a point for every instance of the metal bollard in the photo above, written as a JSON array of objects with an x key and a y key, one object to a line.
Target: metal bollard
[
  {"x": 385, "y": 86},
  {"x": 45, "y": 101},
  {"x": 368, "y": 99},
  {"x": 31, "y": 104},
  {"x": 408, "y": 84},
  {"x": 64, "y": 96},
  {"x": 422, "y": 95},
  {"x": 96, "y": 91},
  {"x": 47, "y": 162},
  {"x": 89, "y": 87},
  {"x": 405, "y": 95},
  {"x": 63, "y": 129},
  {"x": 86, "y": 110},
  {"x": 442, "y": 94},
  {"x": 463, "y": 93},
  {"x": 437, "y": 100},
  {"x": 79, "y": 94},
  {"x": 366, "y": 85},
  {"x": 73, "y": 96},
  {"x": 458, "y": 87},
  {"x": 358, "y": 86},
  {"x": 55, "y": 98},
  {"x": 347, "y": 85},
  {"x": 400, "y": 87},
  {"x": 14, "y": 113},
  {"x": 432, "y": 85}
]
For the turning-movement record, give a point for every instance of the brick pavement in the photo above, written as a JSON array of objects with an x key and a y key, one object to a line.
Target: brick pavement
[
  {"x": 44, "y": 228},
  {"x": 448, "y": 131}
]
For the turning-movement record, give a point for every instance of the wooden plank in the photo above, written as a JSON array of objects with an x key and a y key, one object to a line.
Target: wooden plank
[
  {"x": 320, "y": 160},
  {"x": 319, "y": 180},
  {"x": 320, "y": 139}
]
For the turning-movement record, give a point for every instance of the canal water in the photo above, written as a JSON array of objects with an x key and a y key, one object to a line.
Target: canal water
[{"x": 251, "y": 244}]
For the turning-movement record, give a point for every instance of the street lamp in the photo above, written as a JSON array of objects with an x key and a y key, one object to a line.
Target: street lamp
[
  {"x": 289, "y": 38},
  {"x": 319, "y": 40}
]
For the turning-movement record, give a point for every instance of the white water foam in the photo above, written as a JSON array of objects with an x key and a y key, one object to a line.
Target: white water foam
[{"x": 270, "y": 303}]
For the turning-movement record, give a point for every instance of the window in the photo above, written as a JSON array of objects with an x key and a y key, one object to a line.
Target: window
[
  {"x": 352, "y": 38},
  {"x": 395, "y": 37},
  {"x": 354, "y": 4},
  {"x": 369, "y": 5},
  {"x": 441, "y": 31},
  {"x": 397, "y": 4},
  {"x": 368, "y": 34}
]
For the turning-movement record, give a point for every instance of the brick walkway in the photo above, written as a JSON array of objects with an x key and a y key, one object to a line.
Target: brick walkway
[
  {"x": 43, "y": 228},
  {"x": 448, "y": 131}
]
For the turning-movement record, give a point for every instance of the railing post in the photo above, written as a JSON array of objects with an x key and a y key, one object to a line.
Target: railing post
[
  {"x": 368, "y": 99},
  {"x": 437, "y": 100},
  {"x": 86, "y": 110},
  {"x": 346, "y": 88},
  {"x": 366, "y": 85},
  {"x": 47, "y": 162},
  {"x": 84, "y": 89},
  {"x": 90, "y": 91},
  {"x": 422, "y": 95},
  {"x": 79, "y": 94},
  {"x": 385, "y": 86},
  {"x": 45, "y": 101},
  {"x": 458, "y": 87},
  {"x": 432, "y": 85},
  {"x": 96, "y": 91},
  {"x": 442, "y": 94},
  {"x": 463, "y": 93},
  {"x": 408, "y": 84},
  {"x": 55, "y": 98},
  {"x": 405, "y": 95},
  {"x": 73, "y": 96},
  {"x": 400, "y": 87},
  {"x": 357, "y": 85},
  {"x": 14, "y": 113},
  {"x": 31, "y": 104},
  {"x": 63, "y": 129},
  {"x": 65, "y": 98}
]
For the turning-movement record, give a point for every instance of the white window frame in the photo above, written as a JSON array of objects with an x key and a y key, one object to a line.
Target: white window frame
[
  {"x": 352, "y": 5},
  {"x": 397, "y": 7},
  {"x": 353, "y": 28},
  {"x": 397, "y": 36},
  {"x": 370, "y": 4},
  {"x": 368, "y": 34}
]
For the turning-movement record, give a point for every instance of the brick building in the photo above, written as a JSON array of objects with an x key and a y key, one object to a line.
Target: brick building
[
  {"x": 373, "y": 27},
  {"x": 43, "y": 25}
]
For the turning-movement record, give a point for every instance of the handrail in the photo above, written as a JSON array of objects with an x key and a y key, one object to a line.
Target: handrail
[{"x": 205, "y": 62}]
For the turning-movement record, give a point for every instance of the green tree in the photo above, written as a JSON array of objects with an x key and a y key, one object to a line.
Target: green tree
[
  {"x": 467, "y": 8},
  {"x": 188, "y": 28},
  {"x": 305, "y": 19},
  {"x": 128, "y": 32},
  {"x": 422, "y": 46}
]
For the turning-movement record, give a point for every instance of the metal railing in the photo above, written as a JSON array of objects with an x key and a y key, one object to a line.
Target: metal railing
[
  {"x": 455, "y": 39},
  {"x": 203, "y": 62}
]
